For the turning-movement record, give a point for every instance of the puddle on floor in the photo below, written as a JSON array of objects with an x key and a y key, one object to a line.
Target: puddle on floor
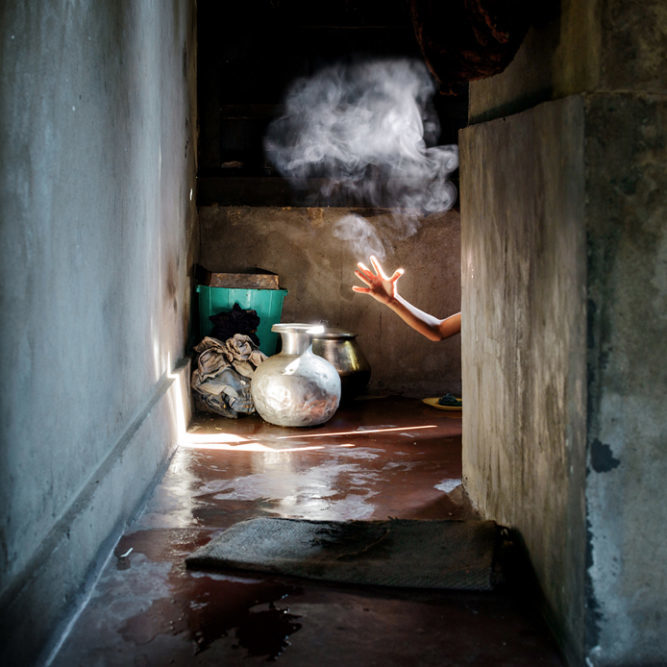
[
  {"x": 205, "y": 608},
  {"x": 265, "y": 632}
]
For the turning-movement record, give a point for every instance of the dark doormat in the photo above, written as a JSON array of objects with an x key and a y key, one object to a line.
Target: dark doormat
[{"x": 404, "y": 553}]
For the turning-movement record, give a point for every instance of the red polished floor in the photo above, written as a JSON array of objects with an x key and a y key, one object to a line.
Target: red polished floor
[{"x": 377, "y": 458}]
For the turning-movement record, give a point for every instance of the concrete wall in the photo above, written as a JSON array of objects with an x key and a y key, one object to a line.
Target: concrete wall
[
  {"x": 626, "y": 159},
  {"x": 524, "y": 343},
  {"x": 579, "y": 46},
  {"x": 98, "y": 241},
  {"x": 317, "y": 269},
  {"x": 563, "y": 203}
]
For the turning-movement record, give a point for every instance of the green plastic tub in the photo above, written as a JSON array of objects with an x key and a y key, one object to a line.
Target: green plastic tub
[{"x": 267, "y": 303}]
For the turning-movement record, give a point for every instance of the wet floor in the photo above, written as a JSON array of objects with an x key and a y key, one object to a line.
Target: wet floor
[{"x": 377, "y": 458}]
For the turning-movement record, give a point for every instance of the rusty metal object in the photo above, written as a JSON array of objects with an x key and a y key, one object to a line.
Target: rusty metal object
[{"x": 465, "y": 40}]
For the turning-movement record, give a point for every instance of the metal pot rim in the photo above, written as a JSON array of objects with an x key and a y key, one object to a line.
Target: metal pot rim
[
  {"x": 297, "y": 327},
  {"x": 334, "y": 334}
]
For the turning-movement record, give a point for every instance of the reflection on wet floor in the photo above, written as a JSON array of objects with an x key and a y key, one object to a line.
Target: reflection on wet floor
[{"x": 374, "y": 460}]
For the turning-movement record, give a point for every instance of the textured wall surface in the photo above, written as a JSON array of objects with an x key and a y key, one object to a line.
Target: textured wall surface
[
  {"x": 576, "y": 46},
  {"x": 98, "y": 238},
  {"x": 523, "y": 339},
  {"x": 626, "y": 158},
  {"x": 317, "y": 269},
  {"x": 612, "y": 54}
]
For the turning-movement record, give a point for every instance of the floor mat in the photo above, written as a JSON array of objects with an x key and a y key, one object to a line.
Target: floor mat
[{"x": 404, "y": 553}]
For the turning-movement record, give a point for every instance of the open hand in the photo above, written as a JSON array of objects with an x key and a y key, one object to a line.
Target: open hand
[{"x": 379, "y": 285}]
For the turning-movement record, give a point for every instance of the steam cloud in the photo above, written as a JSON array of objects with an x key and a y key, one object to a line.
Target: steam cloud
[
  {"x": 359, "y": 233},
  {"x": 363, "y": 129}
]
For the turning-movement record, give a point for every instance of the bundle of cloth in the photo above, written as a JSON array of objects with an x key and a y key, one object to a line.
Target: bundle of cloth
[{"x": 221, "y": 381}]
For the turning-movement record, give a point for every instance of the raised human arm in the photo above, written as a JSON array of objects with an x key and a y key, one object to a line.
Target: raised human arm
[{"x": 384, "y": 289}]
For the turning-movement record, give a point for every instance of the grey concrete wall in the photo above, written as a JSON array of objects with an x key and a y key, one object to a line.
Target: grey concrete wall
[
  {"x": 98, "y": 241},
  {"x": 524, "y": 343},
  {"x": 576, "y": 46},
  {"x": 612, "y": 53},
  {"x": 317, "y": 269},
  {"x": 626, "y": 161}
]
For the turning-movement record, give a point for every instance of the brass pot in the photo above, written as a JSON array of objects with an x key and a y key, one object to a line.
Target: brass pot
[{"x": 341, "y": 349}]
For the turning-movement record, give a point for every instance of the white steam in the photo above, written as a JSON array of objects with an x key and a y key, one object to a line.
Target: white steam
[
  {"x": 359, "y": 233},
  {"x": 363, "y": 129}
]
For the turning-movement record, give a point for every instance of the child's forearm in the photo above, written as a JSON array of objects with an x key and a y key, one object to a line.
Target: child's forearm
[
  {"x": 383, "y": 289},
  {"x": 427, "y": 325}
]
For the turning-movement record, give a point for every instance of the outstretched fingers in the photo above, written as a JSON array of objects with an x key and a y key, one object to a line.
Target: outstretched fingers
[
  {"x": 380, "y": 271},
  {"x": 364, "y": 269},
  {"x": 365, "y": 277},
  {"x": 376, "y": 281},
  {"x": 396, "y": 275},
  {"x": 378, "y": 268}
]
